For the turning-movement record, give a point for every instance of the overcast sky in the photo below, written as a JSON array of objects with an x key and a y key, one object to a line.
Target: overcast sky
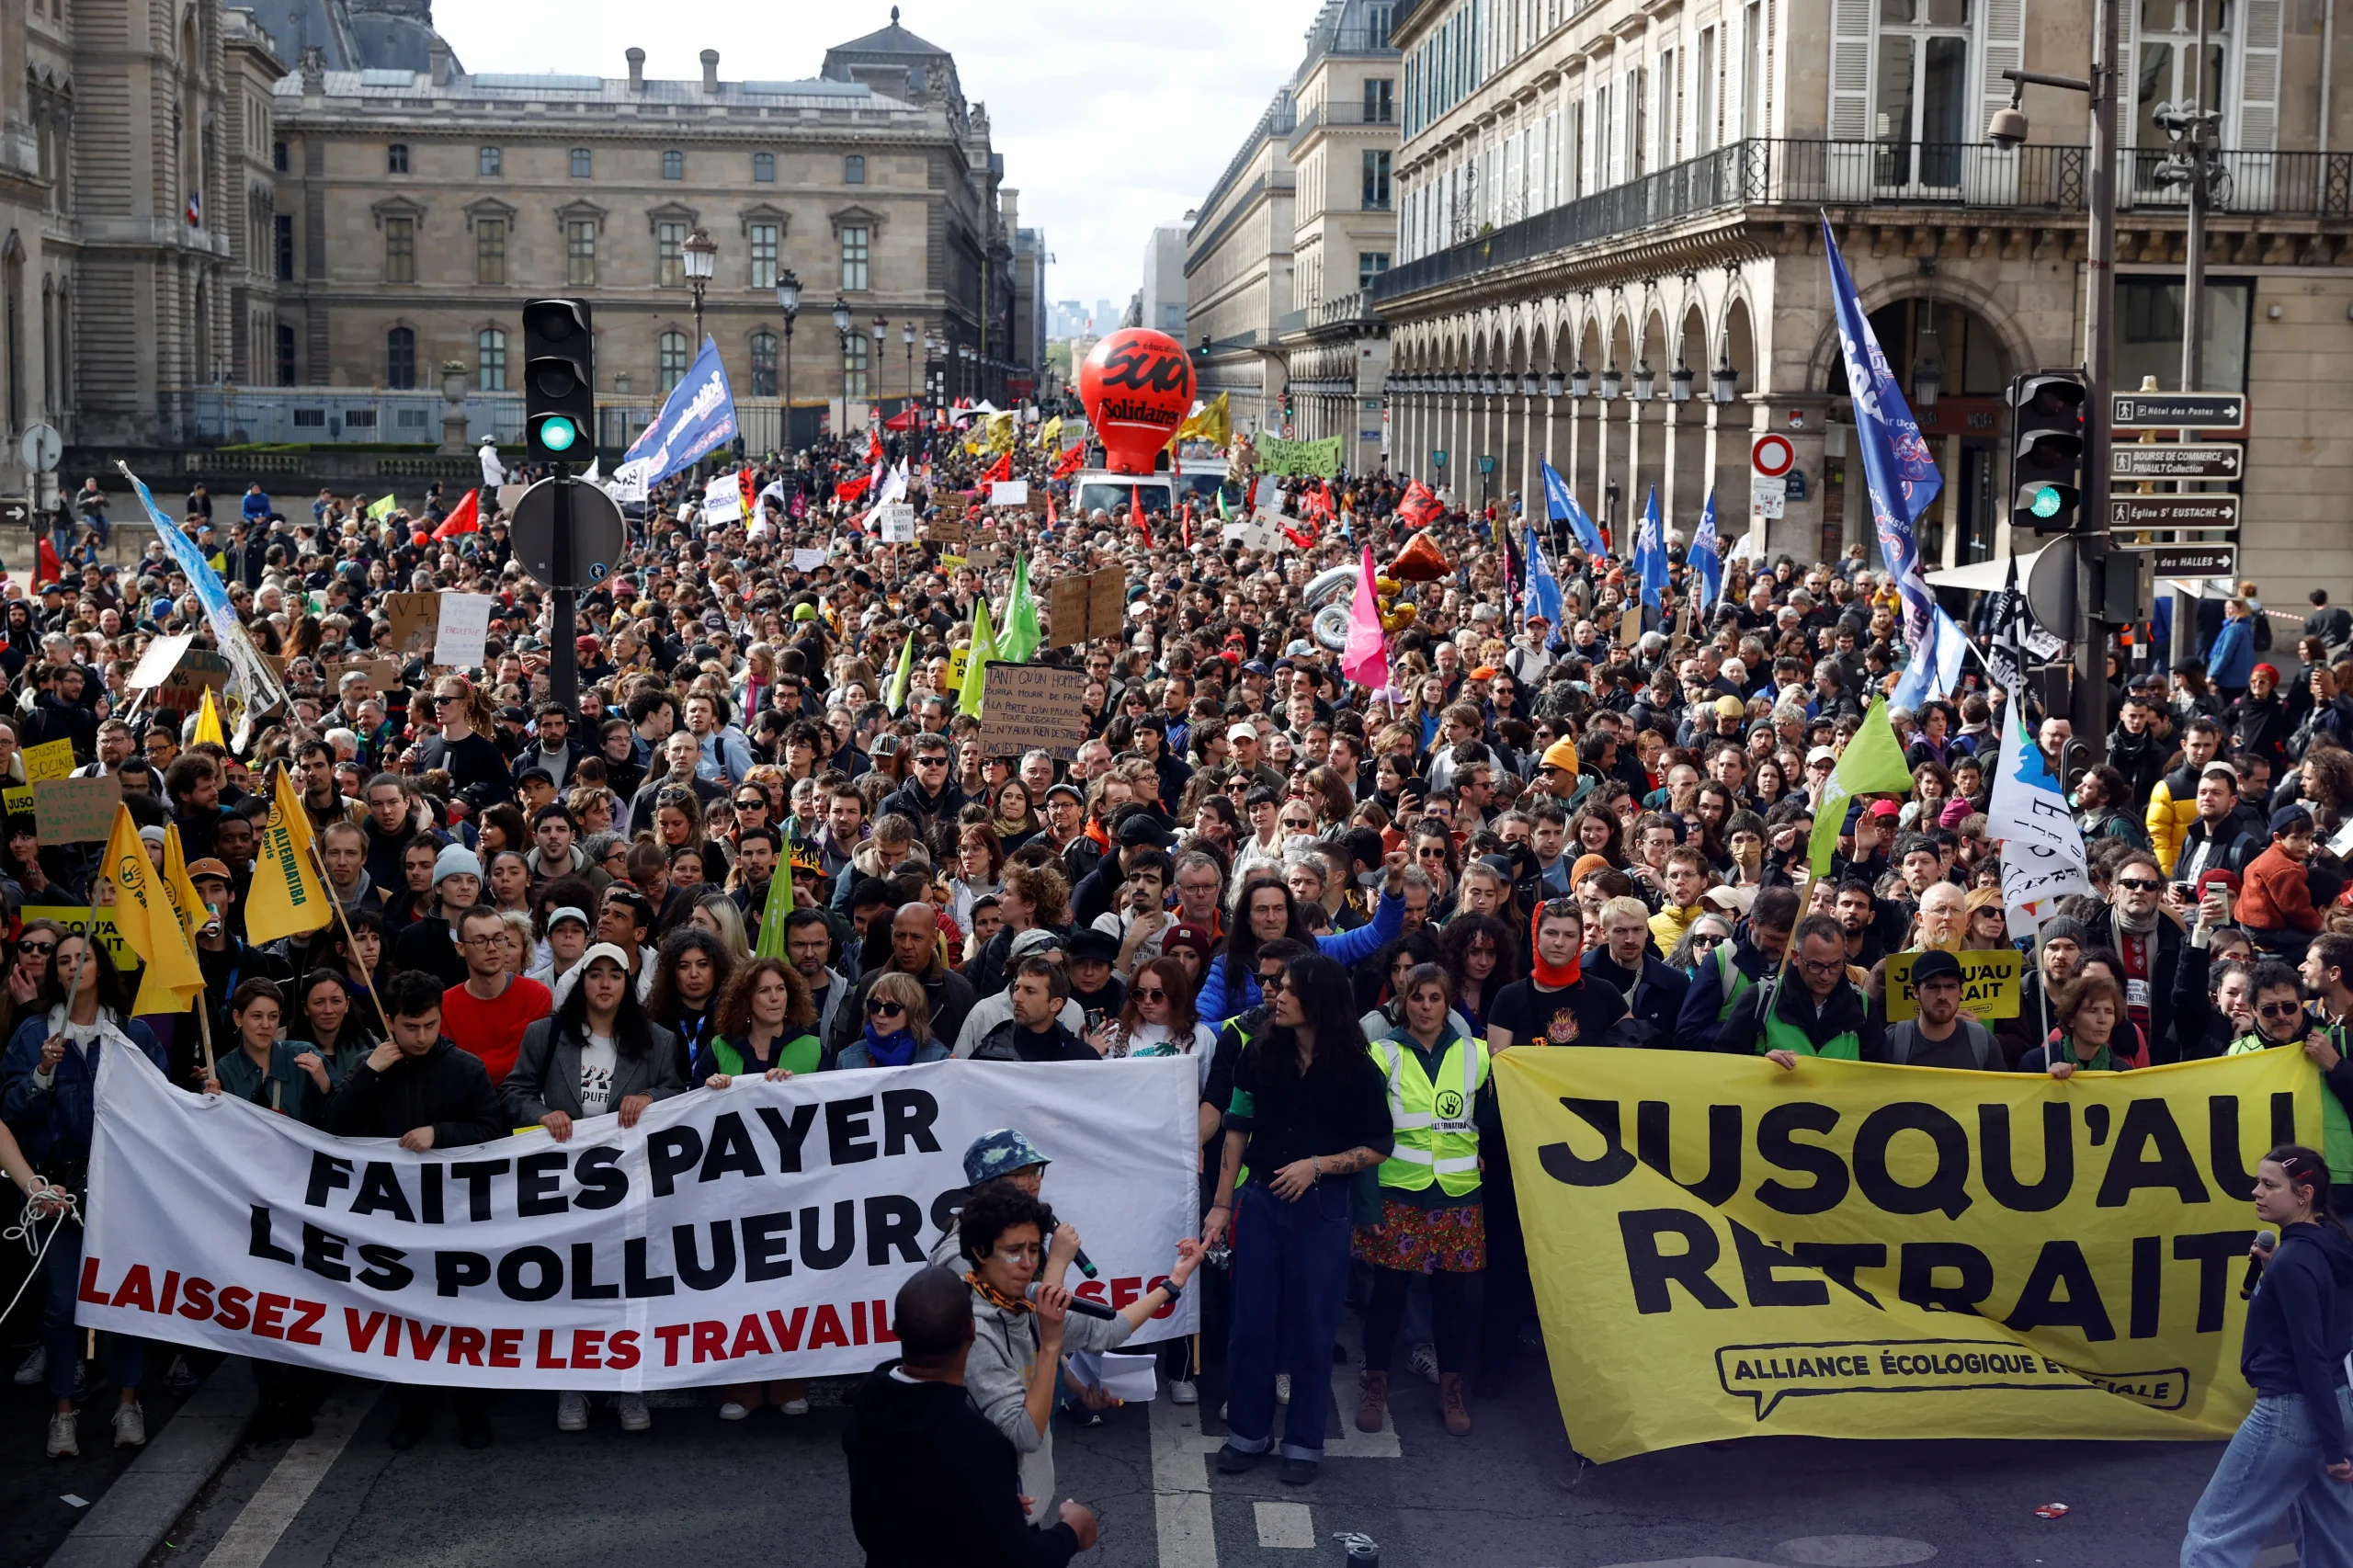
[{"x": 1112, "y": 115}]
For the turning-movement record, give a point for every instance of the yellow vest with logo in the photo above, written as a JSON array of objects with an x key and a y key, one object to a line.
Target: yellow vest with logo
[{"x": 1436, "y": 1138}]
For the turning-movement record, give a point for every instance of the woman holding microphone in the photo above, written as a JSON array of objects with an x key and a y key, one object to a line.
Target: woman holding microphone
[{"x": 2293, "y": 1451}]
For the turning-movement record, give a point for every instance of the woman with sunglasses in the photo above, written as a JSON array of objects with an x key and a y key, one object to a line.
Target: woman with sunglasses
[
  {"x": 898, "y": 1027},
  {"x": 1159, "y": 1019},
  {"x": 463, "y": 748},
  {"x": 1699, "y": 942}
]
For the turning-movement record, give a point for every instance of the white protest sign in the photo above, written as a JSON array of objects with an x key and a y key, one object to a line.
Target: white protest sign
[
  {"x": 808, "y": 559},
  {"x": 464, "y": 626},
  {"x": 162, "y": 657},
  {"x": 1009, "y": 493},
  {"x": 732, "y": 1235},
  {"x": 723, "y": 500},
  {"x": 1268, "y": 496},
  {"x": 898, "y": 522}
]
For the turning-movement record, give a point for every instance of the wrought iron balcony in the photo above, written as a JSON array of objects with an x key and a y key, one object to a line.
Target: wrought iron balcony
[{"x": 2048, "y": 180}]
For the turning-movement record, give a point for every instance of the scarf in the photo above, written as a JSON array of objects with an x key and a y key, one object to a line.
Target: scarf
[
  {"x": 2104, "y": 1061},
  {"x": 2142, "y": 926},
  {"x": 1549, "y": 977},
  {"x": 894, "y": 1050},
  {"x": 996, "y": 1298}
]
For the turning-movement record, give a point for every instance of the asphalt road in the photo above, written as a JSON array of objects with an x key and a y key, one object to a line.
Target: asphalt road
[{"x": 1512, "y": 1495}]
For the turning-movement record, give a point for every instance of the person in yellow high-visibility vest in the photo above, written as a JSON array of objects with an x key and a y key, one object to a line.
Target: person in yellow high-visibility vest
[{"x": 1441, "y": 1104}]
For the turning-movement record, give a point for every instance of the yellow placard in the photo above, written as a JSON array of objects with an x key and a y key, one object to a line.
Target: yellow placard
[
  {"x": 1989, "y": 984},
  {"x": 50, "y": 759},
  {"x": 958, "y": 661},
  {"x": 16, "y": 799},
  {"x": 74, "y": 916},
  {"x": 951, "y": 562},
  {"x": 1721, "y": 1248}
]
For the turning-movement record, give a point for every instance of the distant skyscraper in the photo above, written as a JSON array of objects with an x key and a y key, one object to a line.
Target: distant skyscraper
[{"x": 1105, "y": 318}]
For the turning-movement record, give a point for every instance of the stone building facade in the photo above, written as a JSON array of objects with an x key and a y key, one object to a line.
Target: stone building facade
[
  {"x": 133, "y": 141},
  {"x": 1622, "y": 198},
  {"x": 418, "y": 208},
  {"x": 1238, "y": 273}
]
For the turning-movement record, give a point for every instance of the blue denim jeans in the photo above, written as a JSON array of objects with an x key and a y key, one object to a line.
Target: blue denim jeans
[
  {"x": 2273, "y": 1466},
  {"x": 60, "y": 1269},
  {"x": 1290, "y": 1274}
]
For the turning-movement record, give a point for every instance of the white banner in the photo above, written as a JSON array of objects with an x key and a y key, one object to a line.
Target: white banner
[{"x": 756, "y": 1232}]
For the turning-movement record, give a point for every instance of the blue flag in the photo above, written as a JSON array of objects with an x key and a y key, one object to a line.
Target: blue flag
[
  {"x": 1899, "y": 471},
  {"x": 1650, "y": 551},
  {"x": 1935, "y": 669},
  {"x": 1707, "y": 556},
  {"x": 1561, "y": 502},
  {"x": 1543, "y": 596},
  {"x": 261, "y": 688},
  {"x": 697, "y": 417}
]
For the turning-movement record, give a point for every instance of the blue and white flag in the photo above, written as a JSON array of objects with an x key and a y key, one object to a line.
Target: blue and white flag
[
  {"x": 2042, "y": 849},
  {"x": 1650, "y": 551},
  {"x": 1561, "y": 502},
  {"x": 1543, "y": 596},
  {"x": 698, "y": 417},
  {"x": 1935, "y": 670},
  {"x": 1704, "y": 558},
  {"x": 260, "y": 688},
  {"x": 1899, "y": 471}
]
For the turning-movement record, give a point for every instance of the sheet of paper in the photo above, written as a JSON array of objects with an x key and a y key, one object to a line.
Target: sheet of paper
[{"x": 464, "y": 628}]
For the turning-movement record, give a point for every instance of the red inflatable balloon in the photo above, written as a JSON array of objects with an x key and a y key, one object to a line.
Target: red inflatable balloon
[
  {"x": 420, "y": 539},
  {"x": 1137, "y": 385}
]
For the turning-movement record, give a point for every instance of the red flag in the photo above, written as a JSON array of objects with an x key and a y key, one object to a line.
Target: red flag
[
  {"x": 47, "y": 568},
  {"x": 999, "y": 471},
  {"x": 873, "y": 447},
  {"x": 1304, "y": 542},
  {"x": 1135, "y": 514},
  {"x": 1053, "y": 519},
  {"x": 1320, "y": 504},
  {"x": 1419, "y": 508},
  {"x": 744, "y": 488},
  {"x": 1071, "y": 461},
  {"x": 851, "y": 489},
  {"x": 1184, "y": 516},
  {"x": 466, "y": 518}
]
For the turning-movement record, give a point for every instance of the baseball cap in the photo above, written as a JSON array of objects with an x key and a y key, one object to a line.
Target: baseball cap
[
  {"x": 198, "y": 871},
  {"x": 1241, "y": 733},
  {"x": 1934, "y": 964},
  {"x": 1141, "y": 829},
  {"x": 559, "y": 916},
  {"x": 2285, "y": 821},
  {"x": 1819, "y": 753},
  {"x": 1731, "y": 707}
]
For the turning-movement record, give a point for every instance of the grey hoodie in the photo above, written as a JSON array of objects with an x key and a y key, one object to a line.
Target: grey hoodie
[{"x": 997, "y": 1373}]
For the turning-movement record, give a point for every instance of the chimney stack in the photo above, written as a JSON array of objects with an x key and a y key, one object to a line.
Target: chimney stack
[
  {"x": 636, "y": 70},
  {"x": 436, "y": 60},
  {"x": 711, "y": 71}
]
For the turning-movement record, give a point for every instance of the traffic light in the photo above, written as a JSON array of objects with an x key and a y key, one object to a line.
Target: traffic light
[
  {"x": 559, "y": 379},
  {"x": 2046, "y": 451}
]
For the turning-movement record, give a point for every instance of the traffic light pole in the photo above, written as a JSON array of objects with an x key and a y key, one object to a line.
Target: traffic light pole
[
  {"x": 564, "y": 660},
  {"x": 2193, "y": 319},
  {"x": 2088, "y": 703}
]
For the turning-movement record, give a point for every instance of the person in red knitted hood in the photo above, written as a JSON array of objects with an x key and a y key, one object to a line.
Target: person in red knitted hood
[{"x": 1556, "y": 1005}]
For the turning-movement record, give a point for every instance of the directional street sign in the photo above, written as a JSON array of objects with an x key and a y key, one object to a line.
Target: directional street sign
[
  {"x": 2176, "y": 411},
  {"x": 2136, "y": 513},
  {"x": 2180, "y": 460},
  {"x": 2194, "y": 561}
]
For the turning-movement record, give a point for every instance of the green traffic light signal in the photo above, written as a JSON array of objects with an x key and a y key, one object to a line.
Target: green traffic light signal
[
  {"x": 557, "y": 433},
  {"x": 2047, "y": 502}
]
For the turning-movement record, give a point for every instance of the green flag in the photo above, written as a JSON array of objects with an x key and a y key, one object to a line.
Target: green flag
[
  {"x": 898, "y": 694},
  {"x": 968, "y": 700},
  {"x": 1222, "y": 515},
  {"x": 1022, "y": 634},
  {"x": 383, "y": 507},
  {"x": 777, "y": 910},
  {"x": 1872, "y": 764}
]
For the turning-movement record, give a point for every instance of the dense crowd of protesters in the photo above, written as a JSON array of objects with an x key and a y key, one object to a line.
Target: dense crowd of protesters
[{"x": 1585, "y": 833}]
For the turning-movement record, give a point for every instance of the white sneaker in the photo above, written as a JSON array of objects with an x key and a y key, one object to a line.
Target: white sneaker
[
  {"x": 794, "y": 1407},
  {"x": 64, "y": 1441},
  {"x": 731, "y": 1411},
  {"x": 33, "y": 1367},
  {"x": 1424, "y": 1359},
  {"x": 1182, "y": 1391},
  {"x": 635, "y": 1417},
  {"x": 571, "y": 1412},
  {"x": 129, "y": 1426},
  {"x": 1282, "y": 1388}
]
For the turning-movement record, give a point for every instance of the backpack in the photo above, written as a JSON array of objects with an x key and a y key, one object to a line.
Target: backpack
[{"x": 1902, "y": 1036}]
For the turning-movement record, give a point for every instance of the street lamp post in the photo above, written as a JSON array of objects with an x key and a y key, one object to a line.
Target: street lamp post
[
  {"x": 700, "y": 256},
  {"x": 874, "y": 364},
  {"x": 841, "y": 335},
  {"x": 788, "y": 299}
]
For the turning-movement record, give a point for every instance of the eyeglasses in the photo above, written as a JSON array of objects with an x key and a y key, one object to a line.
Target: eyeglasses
[
  {"x": 876, "y": 1008},
  {"x": 1154, "y": 995},
  {"x": 2279, "y": 1009},
  {"x": 29, "y": 947},
  {"x": 1822, "y": 966},
  {"x": 1298, "y": 825},
  {"x": 2139, "y": 885},
  {"x": 1704, "y": 939},
  {"x": 1271, "y": 983}
]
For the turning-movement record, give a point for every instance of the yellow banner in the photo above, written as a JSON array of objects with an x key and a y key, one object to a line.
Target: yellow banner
[
  {"x": 1989, "y": 984},
  {"x": 1722, "y": 1249}
]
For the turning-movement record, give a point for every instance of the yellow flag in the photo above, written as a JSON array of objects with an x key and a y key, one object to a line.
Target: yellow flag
[
  {"x": 1213, "y": 422},
  {"x": 145, "y": 917},
  {"x": 1050, "y": 434},
  {"x": 208, "y": 723},
  {"x": 288, "y": 896}
]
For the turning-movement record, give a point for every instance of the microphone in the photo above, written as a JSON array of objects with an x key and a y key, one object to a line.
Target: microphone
[
  {"x": 2267, "y": 1241},
  {"x": 1087, "y": 1308},
  {"x": 1085, "y": 1264}
]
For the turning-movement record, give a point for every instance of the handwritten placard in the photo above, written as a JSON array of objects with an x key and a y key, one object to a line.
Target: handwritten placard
[
  {"x": 944, "y": 530},
  {"x": 1032, "y": 707},
  {"x": 462, "y": 630},
  {"x": 50, "y": 759},
  {"x": 415, "y": 618},
  {"x": 1009, "y": 493},
  {"x": 1084, "y": 607},
  {"x": 199, "y": 670},
  {"x": 76, "y": 810}
]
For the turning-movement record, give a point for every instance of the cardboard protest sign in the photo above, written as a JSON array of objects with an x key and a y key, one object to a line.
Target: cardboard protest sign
[
  {"x": 197, "y": 672},
  {"x": 981, "y": 557},
  {"x": 415, "y": 619},
  {"x": 945, "y": 530},
  {"x": 1084, "y": 607},
  {"x": 382, "y": 674},
  {"x": 76, "y": 810},
  {"x": 463, "y": 628},
  {"x": 1032, "y": 707},
  {"x": 1009, "y": 493},
  {"x": 51, "y": 759},
  {"x": 1989, "y": 984},
  {"x": 808, "y": 559}
]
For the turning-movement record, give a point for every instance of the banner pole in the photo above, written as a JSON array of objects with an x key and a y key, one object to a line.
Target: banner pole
[{"x": 204, "y": 1025}]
